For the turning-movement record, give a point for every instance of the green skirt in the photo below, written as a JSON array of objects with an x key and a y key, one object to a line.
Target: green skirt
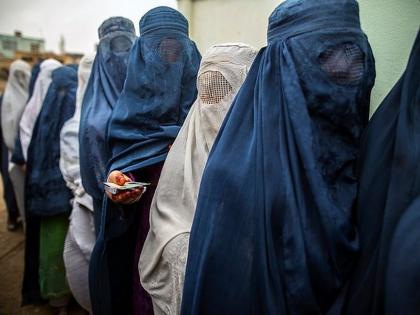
[{"x": 52, "y": 273}]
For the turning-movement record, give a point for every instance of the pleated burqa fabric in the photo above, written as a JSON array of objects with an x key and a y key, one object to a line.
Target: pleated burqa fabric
[
  {"x": 80, "y": 237},
  {"x": 158, "y": 92},
  {"x": 47, "y": 194},
  {"x": 13, "y": 105},
  {"x": 116, "y": 36},
  {"x": 17, "y": 156},
  {"x": 30, "y": 287},
  {"x": 162, "y": 262},
  {"x": 46, "y": 189},
  {"x": 14, "y": 100},
  {"x": 272, "y": 232},
  {"x": 386, "y": 279},
  {"x": 8, "y": 191},
  {"x": 34, "y": 105}
]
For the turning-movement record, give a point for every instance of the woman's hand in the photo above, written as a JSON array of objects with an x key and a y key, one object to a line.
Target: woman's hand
[{"x": 127, "y": 197}]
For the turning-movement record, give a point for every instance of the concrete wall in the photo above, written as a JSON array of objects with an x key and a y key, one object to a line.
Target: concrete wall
[
  {"x": 391, "y": 26},
  {"x": 21, "y": 44},
  {"x": 215, "y": 21}
]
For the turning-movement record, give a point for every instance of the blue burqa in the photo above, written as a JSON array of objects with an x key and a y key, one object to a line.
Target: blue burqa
[
  {"x": 46, "y": 190},
  {"x": 46, "y": 193},
  {"x": 386, "y": 279},
  {"x": 272, "y": 232},
  {"x": 106, "y": 81},
  {"x": 158, "y": 92}
]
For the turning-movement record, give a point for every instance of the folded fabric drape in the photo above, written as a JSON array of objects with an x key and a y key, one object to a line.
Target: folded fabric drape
[
  {"x": 80, "y": 237},
  {"x": 17, "y": 156},
  {"x": 46, "y": 191},
  {"x": 387, "y": 274},
  {"x": 14, "y": 100},
  {"x": 272, "y": 232},
  {"x": 162, "y": 262},
  {"x": 116, "y": 36},
  {"x": 158, "y": 92},
  {"x": 34, "y": 105}
]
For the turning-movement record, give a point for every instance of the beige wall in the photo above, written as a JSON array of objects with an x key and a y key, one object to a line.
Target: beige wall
[
  {"x": 391, "y": 26},
  {"x": 216, "y": 21}
]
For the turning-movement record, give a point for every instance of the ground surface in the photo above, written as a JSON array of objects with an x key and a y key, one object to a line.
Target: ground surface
[{"x": 11, "y": 268}]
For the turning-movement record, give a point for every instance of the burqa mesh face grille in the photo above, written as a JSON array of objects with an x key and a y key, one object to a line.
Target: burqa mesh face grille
[
  {"x": 213, "y": 87},
  {"x": 170, "y": 50},
  {"x": 20, "y": 77},
  {"x": 344, "y": 63},
  {"x": 120, "y": 44}
]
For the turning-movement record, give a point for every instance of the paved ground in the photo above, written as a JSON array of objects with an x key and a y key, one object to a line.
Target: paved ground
[{"x": 11, "y": 268}]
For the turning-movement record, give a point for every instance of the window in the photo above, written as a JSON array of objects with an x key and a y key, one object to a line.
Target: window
[
  {"x": 9, "y": 44},
  {"x": 35, "y": 48}
]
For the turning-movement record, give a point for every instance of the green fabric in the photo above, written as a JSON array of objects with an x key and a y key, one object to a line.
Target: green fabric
[{"x": 52, "y": 273}]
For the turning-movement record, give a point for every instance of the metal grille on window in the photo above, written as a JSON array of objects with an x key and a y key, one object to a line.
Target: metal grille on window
[
  {"x": 213, "y": 87},
  {"x": 170, "y": 49},
  {"x": 344, "y": 63}
]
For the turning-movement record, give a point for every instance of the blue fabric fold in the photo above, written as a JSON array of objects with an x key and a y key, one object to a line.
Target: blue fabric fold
[
  {"x": 159, "y": 90},
  {"x": 163, "y": 18},
  {"x": 387, "y": 274},
  {"x": 46, "y": 191},
  {"x": 106, "y": 82},
  {"x": 158, "y": 93},
  {"x": 272, "y": 232}
]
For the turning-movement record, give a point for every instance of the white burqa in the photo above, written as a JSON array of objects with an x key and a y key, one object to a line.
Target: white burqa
[
  {"x": 32, "y": 109},
  {"x": 81, "y": 235},
  {"x": 14, "y": 101},
  {"x": 163, "y": 259}
]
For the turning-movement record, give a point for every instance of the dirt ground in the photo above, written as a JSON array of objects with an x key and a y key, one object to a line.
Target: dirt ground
[{"x": 11, "y": 270}]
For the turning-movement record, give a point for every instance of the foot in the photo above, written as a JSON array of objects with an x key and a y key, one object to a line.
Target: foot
[{"x": 12, "y": 225}]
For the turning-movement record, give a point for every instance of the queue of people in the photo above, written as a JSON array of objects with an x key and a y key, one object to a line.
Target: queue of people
[{"x": 264, "y": 188}]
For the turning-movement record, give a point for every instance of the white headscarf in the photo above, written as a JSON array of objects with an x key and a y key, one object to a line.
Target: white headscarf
[
  {"x": 14, "y": 100},
  {"x": 34, "y": 105},
  {"x": 69, "y": 139},
  {"x": 162, "y": 262}
]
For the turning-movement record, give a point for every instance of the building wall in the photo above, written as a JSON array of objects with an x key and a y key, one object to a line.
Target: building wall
[
  {"x": 9, "y": 44},
  {"x": 216, "y": 21},
  {"x": 391, "y": 26}
]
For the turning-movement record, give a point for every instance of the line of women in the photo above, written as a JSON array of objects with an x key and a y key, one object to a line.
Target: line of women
[{"x": 270, "y": 191}]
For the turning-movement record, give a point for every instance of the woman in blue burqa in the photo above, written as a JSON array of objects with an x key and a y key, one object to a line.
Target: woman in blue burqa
[
  {"x": 158, "y": 93},
  {"x": 30, "y": 287},
  {"x": 272, "y": 232},
  {"x": 387, "y": 276},
  {"x": 116, "y": 36},
  {"x": 47, "y": 196}
]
